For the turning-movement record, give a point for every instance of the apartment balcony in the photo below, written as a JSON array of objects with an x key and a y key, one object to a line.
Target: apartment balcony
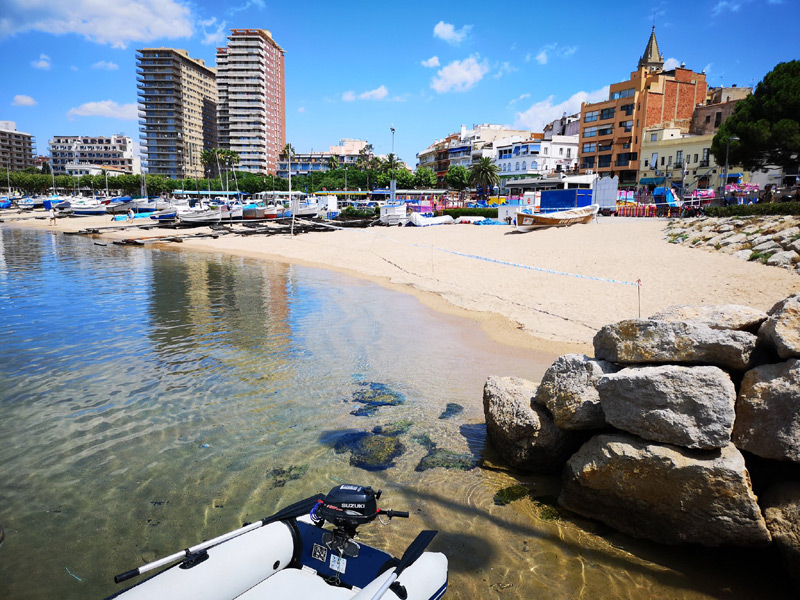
[{"x": 704, "y": 163}]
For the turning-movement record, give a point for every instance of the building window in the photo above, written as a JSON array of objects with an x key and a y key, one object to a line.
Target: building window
[
  {"x": 588, "y": 132},
  {"x": 662, "y": 161},
  {"x": 561, "y": 151},
  {"x": 627, "y": 109},
  {"x": 590, "y": 147},
  {"x": 718, "y": 119},
  {"x": 603, "y": 160},
  {"x": 622, "y": 94},
  {"x": 606, "y": 130},
  {"x": 626, "y": 126},
  {"x": 569, "y": 152},
  {"x": 653, "y": 137},
  {"x": 695, "y": 158},
  {"x": 679, "y": 158},
  {"x": 516, "y": 168},
  {"x": 534, "y": 165},
  {"x": 704, "y": 162},
  {"x": 524, "y": 165},
  {"x": 588, "y": 162},
  {"x": 607, "y": 113},
  {"x": 590, "y": 116}
]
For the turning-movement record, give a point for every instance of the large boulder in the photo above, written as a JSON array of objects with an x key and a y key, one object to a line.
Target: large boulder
[
  {"x": 781, "y": 330},
  {"x": 567, "y": 390},
  {"x": 768, "y": 411},
  {"x": 643, "y": 341},
  {"x": 523, "y": 432},
  {"x": 723, "y": 316},
  {"x": 664, "y": 493},
  {"x": 781, "y": 504},
  {"x": 686, "y": 406}
]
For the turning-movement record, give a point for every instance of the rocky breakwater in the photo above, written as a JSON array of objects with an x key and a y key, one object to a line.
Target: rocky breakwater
[
  {"x": 768, "y": 239},
  {"x": 659, "y": 434}
]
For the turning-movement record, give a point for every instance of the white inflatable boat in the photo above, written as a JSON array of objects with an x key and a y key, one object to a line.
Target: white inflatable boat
[{"x": 293, "y": 555}]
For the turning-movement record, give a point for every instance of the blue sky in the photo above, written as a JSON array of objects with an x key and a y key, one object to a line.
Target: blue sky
[{"x": 354, "y": 68}]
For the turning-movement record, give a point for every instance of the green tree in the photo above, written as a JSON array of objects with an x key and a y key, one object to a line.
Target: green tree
[
  {"x": 333, "y": 163},
  {"x": 458, "y": 178},
  {"x": 485, "y": 174},
  {"x": 287, "y": 152},
  {"x": 46, "y": 168},
  {"x": 767, "y": 123},
  {"x": 424, "y": 178}
]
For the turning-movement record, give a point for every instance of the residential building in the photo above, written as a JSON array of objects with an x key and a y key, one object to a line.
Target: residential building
[
  {"x": 612, "y": 130},
  {"x": 177, "y": 111},
  {"x": 252, "y": 99},
  {"x": 88, "y": 169},
  {"x": 346, "y": 154},
  {"x": 114, "y": 151},
  {"x": 463, "y": 148},
  {"x": 566, "y": 125},
  {"x": 17, "y": 149},
  {"x": 684, "y": 161},
  {"x": 720, "y": 104},
  {"x": 536, "y": 157}
]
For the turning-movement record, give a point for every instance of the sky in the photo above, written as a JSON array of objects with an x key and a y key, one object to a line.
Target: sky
[{"x": 355, "y": 69}]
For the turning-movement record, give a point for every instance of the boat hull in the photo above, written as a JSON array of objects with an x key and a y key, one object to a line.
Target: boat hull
[{"x": 529, "y": 222}]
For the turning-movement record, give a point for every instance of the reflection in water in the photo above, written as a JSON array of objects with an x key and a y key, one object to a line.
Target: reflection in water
[{"x": 151, "y": 399}]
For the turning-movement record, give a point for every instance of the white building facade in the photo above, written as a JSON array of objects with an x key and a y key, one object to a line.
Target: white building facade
[
  {"x": 69, "y": 152},
  {"x": 523, "y": 159}
]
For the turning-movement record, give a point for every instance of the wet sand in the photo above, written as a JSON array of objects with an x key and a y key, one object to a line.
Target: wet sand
[{"x": 549, "y": 290}]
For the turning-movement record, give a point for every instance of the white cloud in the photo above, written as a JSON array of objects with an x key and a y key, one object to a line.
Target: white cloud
[
  {"x": 513, "y": 101},
  {"x": 671, "y": 63},
  {"x": 459, "y": 75},
  {"x": 545, "y": 111},
  {"x": 552, "y": 49},
  {"x": 42, "y": 63},
  {"x": 433, "y": 61},
  {"x": 707, "y": 68},
  {"x": 541, "y": 58},
  {"x": 725, "y": 6},
  {"x": 504, "y": 69},
  {"x": 376, "y": 94},
  {"x": 74, "y": 68},
  {"x": 105, "y": 65},
  {"x": 348, "y": 96},
  {"x": 302, "y": 109},
  {"x": 105, "y": 108},
  {"x": 113, "y": 23},
  {"x": 451, "y": 35},
  {"x": 215, "y": 37},
  {"x": 23, "y": 100}
]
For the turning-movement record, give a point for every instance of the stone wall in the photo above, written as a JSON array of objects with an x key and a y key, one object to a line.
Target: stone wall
[
  {"x": 772, "y": 240},
  {"x": 682, "y": 411}
]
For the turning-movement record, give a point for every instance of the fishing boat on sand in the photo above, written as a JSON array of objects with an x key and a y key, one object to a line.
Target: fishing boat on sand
[
  {"x": 292, "y": 554},
  {"x": 528, "y": 221}
]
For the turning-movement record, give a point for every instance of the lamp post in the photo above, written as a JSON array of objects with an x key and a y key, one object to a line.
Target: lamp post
[
  {"x": 727, "y": 149},
  {"x": 392, "y": 184}
]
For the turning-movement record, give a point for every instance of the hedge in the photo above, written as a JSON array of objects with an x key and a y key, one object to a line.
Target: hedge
[
  {"x": 746, "y": 210},
  {"x": 489, "y": 213}
]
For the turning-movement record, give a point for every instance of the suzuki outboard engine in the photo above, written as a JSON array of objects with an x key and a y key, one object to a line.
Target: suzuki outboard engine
[{"x": 348, "y": 506}]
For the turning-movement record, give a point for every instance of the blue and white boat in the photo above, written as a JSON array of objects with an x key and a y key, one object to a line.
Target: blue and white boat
[{"x": 305, "y": 551}]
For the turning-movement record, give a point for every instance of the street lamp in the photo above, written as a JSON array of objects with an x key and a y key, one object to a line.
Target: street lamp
[
  {"x": 727, "y": 149},
  {"x": 394, "y": 160}
]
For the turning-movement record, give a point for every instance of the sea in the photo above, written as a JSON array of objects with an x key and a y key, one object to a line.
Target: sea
[{"x": 152, "y": 398}]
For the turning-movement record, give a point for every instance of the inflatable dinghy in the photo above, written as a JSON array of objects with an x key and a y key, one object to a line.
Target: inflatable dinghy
[{"x": 293, "y": 555}]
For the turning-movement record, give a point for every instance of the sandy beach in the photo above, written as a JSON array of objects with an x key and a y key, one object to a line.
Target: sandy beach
[{"x": 549, "y": 290}]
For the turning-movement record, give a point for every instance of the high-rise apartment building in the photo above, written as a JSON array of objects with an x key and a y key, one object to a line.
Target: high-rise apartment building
[
  {"x": 109, "y": 151},
  {"x": 17, "y": 149},
  {"x": 252, "y": 102},
  {"x": 612, "y": 130},
  {"x": 177, "y": 111}
]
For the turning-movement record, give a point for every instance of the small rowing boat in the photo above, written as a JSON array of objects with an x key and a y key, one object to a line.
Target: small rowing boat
[
  {"x": 293, "y": 555},
  {"x": 528, "y": 221}
]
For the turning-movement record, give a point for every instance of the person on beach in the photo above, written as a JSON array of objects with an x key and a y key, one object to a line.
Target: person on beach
[
  {"x": 130, "y": 214},
  {"x": 52, "y": 216}
]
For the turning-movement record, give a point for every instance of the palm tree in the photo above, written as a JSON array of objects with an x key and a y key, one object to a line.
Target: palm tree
[
  {"x": 209, "y": 158},
  {"x": 484, "y": 173},
  {"x": 287, "y": 152},
  {"x": 333, "y": 163}
]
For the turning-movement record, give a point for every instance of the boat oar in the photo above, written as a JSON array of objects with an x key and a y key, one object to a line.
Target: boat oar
[
  {"x": 412, "y": 553},
  {"x": 297, "y": 509}
]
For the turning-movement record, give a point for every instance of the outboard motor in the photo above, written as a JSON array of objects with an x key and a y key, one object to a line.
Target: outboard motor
[{"x": 347, "y": 507}]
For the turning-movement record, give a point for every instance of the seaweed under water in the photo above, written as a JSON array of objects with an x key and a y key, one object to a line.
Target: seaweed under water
[{"x": 374, "y": 395}]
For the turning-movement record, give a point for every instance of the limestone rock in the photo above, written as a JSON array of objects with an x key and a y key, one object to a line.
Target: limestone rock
[
  {"x": 781, "y": 504},
  {"x": 645, "y": 341},
  {"x": 567, "y": 390},
  {"x": 782, "y": 329},
  {"x": 767, "y": 247},
  {"x": 783, "y": 259},
  {"x": 768, "y": 411},
  {"x": 762, "y": 239},
  {"x": 723, "y": 316},
  {"x": 687, "y": 406},
  {"x": 664, "y": 493},
  {"x": 743, "y": 254},
  {"x": 737, "y": 238},
  {"x": 523, "y": 432}
]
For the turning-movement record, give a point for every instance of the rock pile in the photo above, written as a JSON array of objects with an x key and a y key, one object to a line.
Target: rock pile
[
  {"x": 771, "y": 240},
  {"x": 667, "y": 405}
]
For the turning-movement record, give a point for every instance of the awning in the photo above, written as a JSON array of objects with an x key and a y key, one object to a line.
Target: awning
[
  {"x": 651, "y": 180},
  {"x": 737, "y": 175}
]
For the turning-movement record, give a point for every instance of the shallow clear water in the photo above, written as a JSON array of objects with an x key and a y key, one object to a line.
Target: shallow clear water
[{"x": 150, "y": 399}]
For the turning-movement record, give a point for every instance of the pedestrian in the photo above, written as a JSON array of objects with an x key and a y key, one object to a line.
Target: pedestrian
[
  {"x": 52, "y": 216},
  {"x": 130, "y": 214}
]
